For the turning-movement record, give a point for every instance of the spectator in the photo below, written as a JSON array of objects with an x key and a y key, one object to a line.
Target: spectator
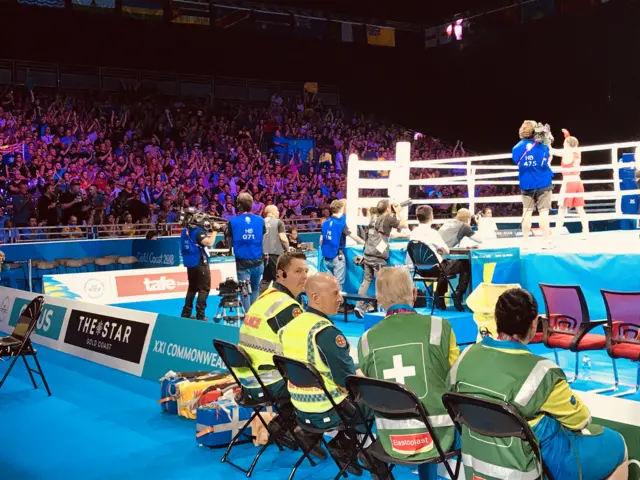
[
  {"x": 33, "y": 233},
  {"x": 72, "y": 230},
  {"x": 23, "y": 207}
]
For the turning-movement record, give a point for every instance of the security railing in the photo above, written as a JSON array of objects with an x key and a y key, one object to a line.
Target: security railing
[{"x": 303, "y": 224}]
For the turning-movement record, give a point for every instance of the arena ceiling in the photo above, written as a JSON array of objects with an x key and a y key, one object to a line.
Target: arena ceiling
[{"x": 429, "y": 12}]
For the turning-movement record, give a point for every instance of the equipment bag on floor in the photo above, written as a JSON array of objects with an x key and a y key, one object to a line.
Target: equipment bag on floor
[
  {"x": 217, "y": 423},
  {"x": 190, "y": 392},
  {"x": 169, "y": 390}
]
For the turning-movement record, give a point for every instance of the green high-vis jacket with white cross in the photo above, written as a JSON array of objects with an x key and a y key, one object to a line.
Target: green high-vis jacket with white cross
[{"x": 416, "y": 351}]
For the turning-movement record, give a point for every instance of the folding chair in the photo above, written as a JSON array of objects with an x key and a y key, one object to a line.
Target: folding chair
[
  {"x": 18, "y": 344},
  {"x": 396, "y": 402},
  {"x": 493, "y": 419},
  {"x": 234, "y": 356},
  {"x": 305, "y": 375},
  {"x": 622, "y": 332},
  {"x": 427, "y": 268},
  {"x": 567, "y": 323}
]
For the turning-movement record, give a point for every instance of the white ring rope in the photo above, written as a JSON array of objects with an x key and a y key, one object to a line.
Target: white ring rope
[{"x": 399, "y": 172}]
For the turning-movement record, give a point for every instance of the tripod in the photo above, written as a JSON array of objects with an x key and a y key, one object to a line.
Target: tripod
[{"x": 230, "y": 309}]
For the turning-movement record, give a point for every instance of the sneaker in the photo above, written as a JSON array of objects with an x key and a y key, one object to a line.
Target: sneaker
[
  {"x": 202, "y": 318},
  {"x": 370, "y": 308},
  {"x": 184, "y": 315},
  {"x": 358, "y": 312}
]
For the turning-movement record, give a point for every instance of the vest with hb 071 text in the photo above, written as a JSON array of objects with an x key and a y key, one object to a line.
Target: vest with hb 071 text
[
  {"x": 413, "y": 350},
  {"x": 191, "y": 251},
  {"x": 259, "y": 340},
  {"x": 247, "y": 230},
  {"x": 332, "y": 229},
  {"x": 298, "y": 340},
  {"x": 522, "y": 380}
]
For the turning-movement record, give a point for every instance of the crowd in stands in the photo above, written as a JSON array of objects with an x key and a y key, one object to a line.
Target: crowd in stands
[{"x": 75, "y": 160}]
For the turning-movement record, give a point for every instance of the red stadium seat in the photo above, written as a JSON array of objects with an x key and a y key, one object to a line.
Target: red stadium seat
[
  {"x": 537, "y": 338},
  {"x": 622, "y": 332},
  {"x": 567, "y": 322}
]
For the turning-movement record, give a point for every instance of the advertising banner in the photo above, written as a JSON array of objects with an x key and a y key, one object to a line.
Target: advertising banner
[
  {"x": 121, "y": 286},
  {"x": 111, "y": 336},
  {"x": 185, "y": 345},
  {"x": 499, "y": 265},
  {"x": 163, "y": 252}
]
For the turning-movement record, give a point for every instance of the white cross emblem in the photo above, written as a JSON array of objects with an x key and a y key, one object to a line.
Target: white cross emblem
[{"x": 398, "y": 372}]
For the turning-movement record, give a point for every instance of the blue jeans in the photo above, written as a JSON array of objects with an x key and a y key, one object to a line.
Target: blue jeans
[
  {"x": 254, "y": 275},
  {"x": 566, "y": 453},
  {"x": 338, "y": 268}
]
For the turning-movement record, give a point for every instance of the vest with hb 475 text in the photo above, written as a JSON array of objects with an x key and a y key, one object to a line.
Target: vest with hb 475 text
[
  {"x": 191, "y": 251},
  {"x": 298, "y": 340},
  {"x": 259, "y": 340},
  {"x": 522, "y": 380},
  {"x": 388, "y": 352},
  {"x": 247, "y": 231},
  {"x": 332, "y": 229}
]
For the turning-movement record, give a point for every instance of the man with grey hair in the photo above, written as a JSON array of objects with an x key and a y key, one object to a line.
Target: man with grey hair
[
  {"x": 274, "y": 242},
  {"x": 416, "y": 351}
]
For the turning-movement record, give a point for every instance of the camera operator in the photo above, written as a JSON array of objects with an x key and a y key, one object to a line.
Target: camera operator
[
  {"x": 376, "y": 247},
  {"x": 532, "y": 155},
  {"x": 244, "y": 234},
  {"x": 193, "y": 239}
]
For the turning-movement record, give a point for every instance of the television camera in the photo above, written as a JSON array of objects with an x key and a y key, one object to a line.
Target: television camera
[
  {"x": 190, "y": 217},
  {"x": 231, "y": 292}
]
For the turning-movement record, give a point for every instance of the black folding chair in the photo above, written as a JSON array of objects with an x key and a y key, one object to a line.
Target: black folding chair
[
  {"x": 234, "y": 356},
  {"x": 396, "y": 402},
  {"x": 493, "y": 419},
  {"x": 427, "y": 268},
  {"x": 18, "y": 344},
  {"x": 305, "y": 375}
]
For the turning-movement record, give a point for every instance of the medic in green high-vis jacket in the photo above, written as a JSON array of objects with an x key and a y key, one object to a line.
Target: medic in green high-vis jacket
[
  {"x": 414, "y": 350},
  {"x": 504, "y": 369}
]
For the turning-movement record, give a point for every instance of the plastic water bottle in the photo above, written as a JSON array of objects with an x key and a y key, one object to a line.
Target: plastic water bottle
[{"x": 586, "y": 367}]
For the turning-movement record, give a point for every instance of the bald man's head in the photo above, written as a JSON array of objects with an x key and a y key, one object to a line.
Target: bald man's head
[{"x": 323, "y": 291}]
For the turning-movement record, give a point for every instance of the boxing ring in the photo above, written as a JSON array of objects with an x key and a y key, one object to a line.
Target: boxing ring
[
  {"x": 481, "y": 170},
  {"x": 608, "y": 259}
]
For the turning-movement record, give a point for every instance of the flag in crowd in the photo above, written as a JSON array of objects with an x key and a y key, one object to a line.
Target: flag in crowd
[
  {"x": 381, "y": 36},
  {"x": 193, "y": 12},
  {"x": 143, "y": 8}
]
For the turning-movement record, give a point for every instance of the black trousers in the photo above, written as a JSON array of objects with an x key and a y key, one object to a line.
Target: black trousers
[
  {"x": 270, "y": 262},
  {"x": 199, "y": 285},
  {"x": 451, "y": 267},
  {"x": 455, "y": 267}
]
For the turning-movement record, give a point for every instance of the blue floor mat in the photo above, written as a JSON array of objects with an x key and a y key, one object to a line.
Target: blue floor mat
[{"x": 101, "y": 424}]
